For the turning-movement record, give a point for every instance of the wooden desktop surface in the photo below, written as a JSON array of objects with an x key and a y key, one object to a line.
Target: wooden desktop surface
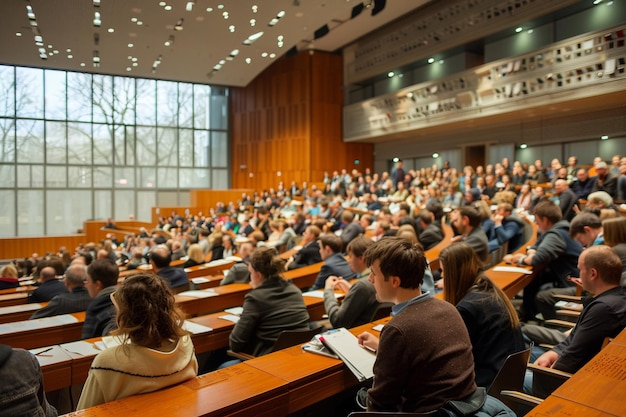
[{"x": 30, "y": 339}]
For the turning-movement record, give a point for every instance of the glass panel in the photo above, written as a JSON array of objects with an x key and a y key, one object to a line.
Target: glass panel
[
  {"x": 23, "y": 176},
  {"x": 7, "y": 92},
  {"x": 55, "y": 95},
  {"x": 167, "y": 177},
  {"x": 103, "y": 204},
  {"x": 185, "y": 147},
  {"x": 7, "y": 213},
  {"x": 146, "y": 146},
  {"x": 147, "y": 177},
  {"x": 7, "y": 176},
  {"x": 220, "y": 179},
  {"x": 145, "y": 201},
  {"x": 30, "y": 141},
  {"x": 70, "y": 210},
  {"x": 124, "y": 204},
  {"x": 102, "y": 177},
  {"x": 102, "y": 144},
  {"x": 146, "y": 102},
  {"x": 79, "y": 177},
  {"x": 185, "y": 105},
  {"x": 55, "y": 142},
  {"x": 124, "y": 95},
  {"x": 7, "y": 139},
  {"x": 201, "y": 95},
  {"x": 124, "y": 146},
  {"x": 124, "y": 177},
  {"x": 103, "y": 99},
  {"x": 79, "y": 96},
  {"x": 29, "y": 92},
  {"x": 219, "y": 112},
  {"x": 201, "y": 148},
  {"x": 38, "y": 176},
  {"x": 167, "y": 103},
  {"x": 167, "y": 150},
  {"x": 194, "y": 178},
  {"x": 30, "y": 213},
  {"x": 56, "y": 177},
  {"x": 219, "y": 149},
  {"x": 79, "y": 143}
]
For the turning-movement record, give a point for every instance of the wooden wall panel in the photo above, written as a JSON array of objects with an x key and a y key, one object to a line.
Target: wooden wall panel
[
  {"x": 210, "y": 198},
  {"x": 289, "y": 119},
  {"x": 23, "y": 247}
]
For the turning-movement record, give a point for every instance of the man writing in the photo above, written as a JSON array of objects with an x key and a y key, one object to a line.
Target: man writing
[{"x": 424, "y": 354}]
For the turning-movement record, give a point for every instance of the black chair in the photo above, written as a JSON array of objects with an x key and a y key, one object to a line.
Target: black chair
[
  {"x": 511, "y": 375},
  {"x": 383, "y": 310},
  {"x": 287, "y": 338}
]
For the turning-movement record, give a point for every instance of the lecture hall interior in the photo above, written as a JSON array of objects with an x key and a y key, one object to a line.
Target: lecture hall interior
[{"x": 126, "y": 109}]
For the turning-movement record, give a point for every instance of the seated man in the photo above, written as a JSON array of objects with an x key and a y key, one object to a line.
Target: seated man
[
  {"x": 160, "y": 259},
  {"x": 603, "y": 316},
  {"x": 359, "y": 304},
  {"x": 101, "y": 281},
  {"x": 430, "y": 235},
  {"x": 77, "y": 299},
  {"x": 465, "y": 221},
  {"x": 238, "y": 273},
  {"x": 309, "y": 254},
  {"x": 351, "y": 229},
  {"x": 424, "y": 355},
  {"x": 49, "y": 288},
  {"x": 508, "y": 227},
  {"x": 334, "y": 262}
]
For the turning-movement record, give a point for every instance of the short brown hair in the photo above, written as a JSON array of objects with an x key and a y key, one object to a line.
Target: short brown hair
[
  {"x": 398, "y": 257},
  {"x": 548, "y": 210},
  {"x": 332, "y": 241},
  {"x": 604, "y": 260}
]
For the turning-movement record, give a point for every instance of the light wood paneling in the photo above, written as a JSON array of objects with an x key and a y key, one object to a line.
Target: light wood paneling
[{"x": 21, "y": 247}]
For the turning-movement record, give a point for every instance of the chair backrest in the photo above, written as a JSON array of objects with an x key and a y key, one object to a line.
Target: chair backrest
[
  {"x": 383, "y": 310},
  {"x": 392, "y": 414},
  {"x": 289, "y": 338},
  {"x": 511, "y": 374}
]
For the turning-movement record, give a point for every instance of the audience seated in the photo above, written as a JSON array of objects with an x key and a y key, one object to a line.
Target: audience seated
[
  {"x": 76, "y": 299},
  {"x": 8, "y": 277},
  {"x": 160, "y": 259},
  {"x": 465, "y": 221},
  {"x": 508, "y": 227},
  {"x": 50, "y": 286},
  {"x": 195, "y": 256},
  {"x": 238, "y": 273},
  {"x": 334, "y": 262},
  {"x": 102, "y": 277}
]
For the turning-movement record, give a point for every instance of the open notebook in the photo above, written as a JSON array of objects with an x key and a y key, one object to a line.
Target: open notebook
[{"x": 346, "y": 346}]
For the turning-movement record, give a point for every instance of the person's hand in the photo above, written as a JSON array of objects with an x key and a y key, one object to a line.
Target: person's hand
[
  {"x": 548, "y": 359},
  {"x": 512, "y": 259},
  {"x": 497, "y": 219},
  {"x": 330, "y": 282},
  {"x": 342, "y": 285},
  {"x": 575, "y": 280},
  {"x": 368, "y": 340},
  {"x": 456, "y": 238},
  {"x": 439, "y": 284}
]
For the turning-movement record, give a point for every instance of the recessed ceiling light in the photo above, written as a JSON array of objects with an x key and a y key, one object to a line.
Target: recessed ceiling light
[
  {"x": 179, "y": 24},
  {"x": 168, "y": 7},
  {"x": 252, "y": 38},
  {"x": 604, "y": 137},
  {"x": 134, "y": 59},
  {"x": 255, "y": 8},
  {"x": 209, "y": 9},
  {"x": 130, "y": 45},
  {"x": 128, "y": 68},
  {"x": 252, "y": 22},
  {"x": 431, "y": 60},
  {"x": 18, "y": 34},
  {"x": 70, "y": 56},
  {"x": 220, "y": 6},
  {"x": 272, "y": 55},
  {"x": 162, "y": 3},
  {"x": 518, "y": 29},
  {"x": 56, "y": 51},
  {"x": 82, "y": 64},
  {"x": 435, "y": 155},
  {"x": 134, "y": 20},
  {"x": 68, "y": 50},
  {"x": 190, "y": 4},
  {"x": 264, "y": 54},
  {"x": 523, "y": 146},
  {"x": 225, "y": 15},
  {"x": 135, "y": 64},
  {"x": 441, "y": 61},
  {"x": 391, "y": 74},
  {"x": 231, "y": 28},
  {"x": 139, "y": 23},
  {"x": 248, "y": 60},
  {"x": 530, "y": 31}
]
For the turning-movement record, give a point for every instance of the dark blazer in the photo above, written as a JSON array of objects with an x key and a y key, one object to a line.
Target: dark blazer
[
  {"x": 567, "y": 200},
  {"x": 336, "y": 265},
  {"x": 430, "y": 236},
  {"x": 46, "y": 291},
  {"x": 176, "y": 277},
  {"x": 308, "y": 255},
  {"x": 477, "y": 239},
  {"x": 71, "y": 302},
  {"x": 351, "y": 231},
  {"x": 237, "y": 273}
]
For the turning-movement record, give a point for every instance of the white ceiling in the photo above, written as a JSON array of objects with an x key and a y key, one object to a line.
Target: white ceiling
[{"x": 204, "y": 41}]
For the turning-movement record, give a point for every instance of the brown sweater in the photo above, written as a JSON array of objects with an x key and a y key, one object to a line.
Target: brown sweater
[{"x": 424, "y": 359}]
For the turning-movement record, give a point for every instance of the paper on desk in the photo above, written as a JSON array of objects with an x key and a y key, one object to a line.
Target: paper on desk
[
  {"x": 20, "y": 308},
  {"x": 230, "y": 317},
  {"x": 234, "y": 310},
  {"x": 200, "y": 280},
  {"x": 195, "y": 328},
  {"x": 378, "y": 327},
  {"x": 21, "y": 326},
  {"x": 112, "y": 341},
  {"x": 39, "y": 350},
  {"x": 81, "y": 348},
  {"x": 318, "y": 294},
  {"x": 199, "y": 293},
  {"x": 512, "y": 269}
]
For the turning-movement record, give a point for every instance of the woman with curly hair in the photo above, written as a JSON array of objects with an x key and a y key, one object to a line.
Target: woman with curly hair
[{"x": 155, "y": 352}]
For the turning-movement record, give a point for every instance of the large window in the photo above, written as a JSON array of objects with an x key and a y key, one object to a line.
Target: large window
[{"x": 76, "y": 146}]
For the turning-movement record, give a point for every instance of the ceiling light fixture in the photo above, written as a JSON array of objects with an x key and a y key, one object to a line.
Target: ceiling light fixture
[
  {"x": 96, "y": 3},
  {"x": 252, "y": 38},
  {"x": 169, "y": 41},
  {"x": 190, "y": 4},
  {"x": 179, "y": 24},
  {"x": 275, "y": 20},
  {"x": 96, "y": 19},
  {"x": 518, "y": 29},
  {"x": 96, "y": 59}
]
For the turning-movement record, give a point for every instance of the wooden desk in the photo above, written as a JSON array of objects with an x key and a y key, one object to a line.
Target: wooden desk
[
  {"x": 23, "y": 288},
  {"x": 208, "y": 269},
  {"x": 56, "y": 366},
  {"x": 304, "y": 277},
  {"x": 231, "y": 295},
  {"x": 510, "y": 282},
  {"x": 240, "y": 390},
  {"x": 13, "y": 299},
  {"x": 432, "y": 254},
  {"x": 19, "y": 312},
  {"x": 30, "y": 339}
]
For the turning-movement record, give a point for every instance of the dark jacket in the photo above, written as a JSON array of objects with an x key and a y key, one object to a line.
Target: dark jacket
[
  {"x": 46, "y": 291},
  {"x": 22, "y": 391},
  {"x": 336, "y": 265},
  {"x": 175, "y": 277},
  {"x": 100, "y": 315},
  {"x": 71, "y": 302},
  {"x": 308, "y": 255},
  {"x": 430, "y": 236}
]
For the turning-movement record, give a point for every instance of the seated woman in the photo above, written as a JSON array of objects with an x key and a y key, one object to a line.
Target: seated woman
[
  {"x": 488, "y": 314},
  {"x": 272, "y": 306},
  {"x": 195, "y": 256},
  {"x": 156, "y": 351},
  {"x": 8, "y": 277}
]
